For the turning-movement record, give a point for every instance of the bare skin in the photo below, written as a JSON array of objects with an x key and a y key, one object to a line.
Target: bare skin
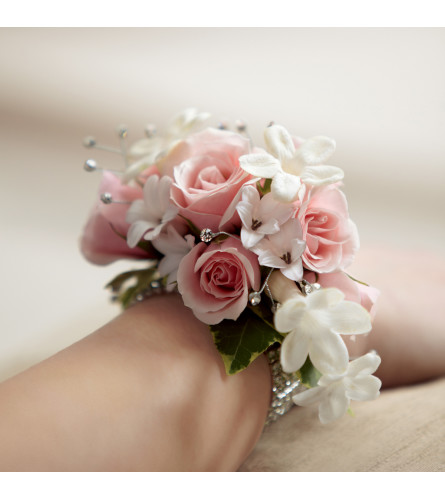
[
  {"x": 409, "y": 327},
  {"x": 148, "y": 390}
]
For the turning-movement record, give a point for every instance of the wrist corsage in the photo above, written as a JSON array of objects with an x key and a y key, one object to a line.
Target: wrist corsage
[{"x": 255, "y": 240}]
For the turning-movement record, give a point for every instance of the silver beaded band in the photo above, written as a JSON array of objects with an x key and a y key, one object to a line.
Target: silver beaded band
[{"x": 284, "y": 386}]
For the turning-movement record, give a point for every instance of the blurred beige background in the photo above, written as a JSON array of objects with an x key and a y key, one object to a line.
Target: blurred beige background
[{"x": 379, "y": 92}]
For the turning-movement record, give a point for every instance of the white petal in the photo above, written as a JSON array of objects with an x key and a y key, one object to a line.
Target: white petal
[
  {"x": 364, "y": 365},
  {"x": 269, "y": 207},
  {"x": 172, "y": 242},
  {"x": 270, "y": 227},
  {"x": 294, "y": 351},
  {"x": 316, "y": 150},
  {"x": 260, "y": 165},
  {"x": 321, "y": 175},
  {"x": 310, "y": 396},
  {"x": 153, "y": 208},
  {"x": 163, "y": 194},
  {"x": 147, "y": 146},
  {"x": 298, "y": 246},
  {"x": 363, "y": 388},
  {"x": 294, "y": 271},
  {"x": 287, "y": 238},
  {"x": 268, "y": 258},
  {"x": 185, "y": 122},
  {"x": 250, "y": 195},
  {"x": 324, "y": 298},
  {"x": 230, "y": 210},
  {"x": 349, "y": 318},
  {"x": 138, "y": 166},
  {"x": 334, "y": 406},
  {"x": 244, "y": 209},
  {"x": 170, "y": 213},
  {"x": 136, "y": 231},
  {"x": 154, "y": 233},
  {"x": 279, "y": 142},
  {"x": 250, "y": 238},
  {"x": 285, "y": 187},
  {"x": 328, "y": 352},
  {"x": 169, "y": 264},
  {"x": 135, "y": 212},
  {"x": 289, "y": 314}
]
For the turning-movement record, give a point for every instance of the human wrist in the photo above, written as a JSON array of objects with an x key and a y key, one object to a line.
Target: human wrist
[{"x": 221, "y": 416}]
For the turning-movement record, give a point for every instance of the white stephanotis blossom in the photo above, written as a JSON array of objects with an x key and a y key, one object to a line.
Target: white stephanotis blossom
[
  {"x": 174, "y": 247},
  {"x": 315, "y": 324},
  {"x": 283, "y": 250},
  {"x": 260, "y": 216},
  {"x": 150, "y": 149},
  {"x": 334, "y": 392},
  {"x": 149, "y": 215},
  {"x": 288, "y": 165}
]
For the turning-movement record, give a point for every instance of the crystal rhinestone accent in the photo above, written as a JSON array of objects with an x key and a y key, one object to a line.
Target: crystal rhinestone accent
[
  {"x": 155, "y": 285},
  {"x": 122, "y": 131},
  {"x": 106, "y": 198},
  {"x": 90, "y": 165},
  {"x": 89, "y": 141},
  {"x": 241, "y": 125},
  {"x": 284, "y": 386},
  {"x": 206, "y": 235},
  {"x": 307, "y": 288},
  {"x": 153, "y": 288},
  {"x": 150, "y": 130},
  {"x": 254, "y": 298}
]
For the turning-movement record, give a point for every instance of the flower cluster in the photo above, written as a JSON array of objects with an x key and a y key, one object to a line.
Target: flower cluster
[{"x": 255, "y": 240}]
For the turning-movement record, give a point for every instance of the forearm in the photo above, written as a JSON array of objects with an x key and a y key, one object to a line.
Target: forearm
[
  {"x": 408, "y": 331},
  {"x": 145, "y": 392}
]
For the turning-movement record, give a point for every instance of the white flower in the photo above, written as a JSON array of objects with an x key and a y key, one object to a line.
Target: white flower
[
  {"x": 152, "y": 148},
  {"x": 174, "y": 247},
  {"x": 260, "y": 216},
  {"x": 334, "y": 393},
  {"x": 148, "y": 216},
  {"x": 283, "y": 250},
  {"x": 315, "y": 323},
  {"x": 289, "y": 166}
]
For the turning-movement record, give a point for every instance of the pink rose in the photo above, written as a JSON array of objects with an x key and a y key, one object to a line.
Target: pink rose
[
  {"x": 99, "y": 242},
  {"x": 355, "y": 292},
  {"x": 331, "y": 237},
  {"x": 208, "y": 177},
  {"x": 215, "y": 280}
]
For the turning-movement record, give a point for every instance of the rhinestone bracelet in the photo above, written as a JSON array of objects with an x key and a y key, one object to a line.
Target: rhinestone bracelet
[{"x": 284, "y": 386}]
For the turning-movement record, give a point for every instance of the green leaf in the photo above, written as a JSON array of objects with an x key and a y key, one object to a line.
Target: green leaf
[
  {"x": 143, "y": 279},
  {"x": 308, "y": 374},
  {"x": 265, "y": 188},
  {"x": 116, "y": 283},
  {"x": 195, "y": 231},
  {"x": 220, "y": 238},
  {"x": 140, "y": 274},
  {"x": 351, "y": 412},
  {"x": 126, "y": 298},
  {"x": 356, "y": 280},
  {"x": 240, "y": 342}
]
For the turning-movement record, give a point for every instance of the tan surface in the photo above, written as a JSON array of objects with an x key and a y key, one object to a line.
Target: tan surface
[{"x": 403, "y": 430}]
